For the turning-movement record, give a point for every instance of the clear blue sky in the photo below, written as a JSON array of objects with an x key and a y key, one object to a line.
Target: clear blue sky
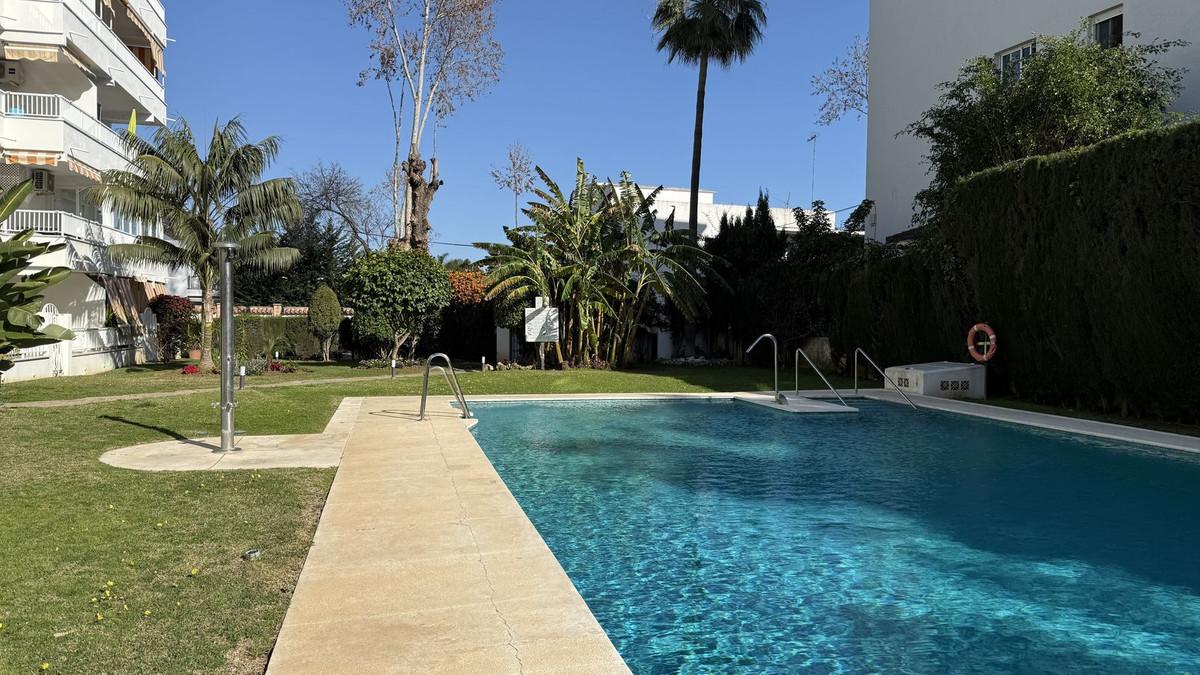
[{"x": 580, "y": 79}]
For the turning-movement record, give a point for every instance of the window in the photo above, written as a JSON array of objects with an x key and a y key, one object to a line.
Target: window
[
  {"x": 1011, "y": 59},
  {"x": 1110, "y": 28}
]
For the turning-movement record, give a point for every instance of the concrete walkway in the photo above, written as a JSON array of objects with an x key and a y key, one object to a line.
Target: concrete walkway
[
  {"x": 63, "y": 403},
  {"x": 319, "y": 451},
  {"x": 423, "y": 562}
]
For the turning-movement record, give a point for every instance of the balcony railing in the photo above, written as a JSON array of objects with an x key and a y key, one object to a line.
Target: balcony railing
[
  {"x": 20, "y": 105},
  {"x": 47, "y": 106},
  {"x": 60, "y": 224},
  {"x": 97, "y": 340}
]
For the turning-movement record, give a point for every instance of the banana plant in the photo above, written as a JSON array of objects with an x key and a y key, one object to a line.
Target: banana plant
[{"x": 21, "y": 294}]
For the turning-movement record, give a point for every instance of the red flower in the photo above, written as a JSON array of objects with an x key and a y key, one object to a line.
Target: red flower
[{"x": 190, "y": 369}]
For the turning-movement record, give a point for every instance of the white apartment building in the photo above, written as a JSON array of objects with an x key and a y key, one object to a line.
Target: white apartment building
[
  {"x": 916, "y": 45},
  {"x": 71, "y": 70}
]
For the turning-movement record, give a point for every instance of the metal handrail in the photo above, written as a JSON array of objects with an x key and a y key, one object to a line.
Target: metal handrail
[
  {"x": 880, "y": 370},
  {"x": 800, "y": 352},
  {"x": 779, "y": 398},
  {"x": 451, "y": 381}
]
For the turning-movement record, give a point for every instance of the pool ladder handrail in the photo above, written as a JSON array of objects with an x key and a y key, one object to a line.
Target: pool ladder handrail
[
  {"x": 880, "y": 370},
  {"x": 451, "y": 381},
  {"x": 799, "y": 353},
  {"x": 779, "y": 398}
]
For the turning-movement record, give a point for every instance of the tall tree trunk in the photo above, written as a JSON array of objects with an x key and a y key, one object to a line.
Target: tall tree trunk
[
  {"x": 397, "y": 215},
  {"x": 697, "y": 146},
  {"x": 206, "y": 335},
  {"x": 421, "y": 193}
]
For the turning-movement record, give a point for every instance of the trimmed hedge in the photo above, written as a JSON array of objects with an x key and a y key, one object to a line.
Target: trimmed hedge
[
  {"x": 1087, "y": 264},
  {"x": 1089, "y": 261},
  {"x": 256, "y": 336},
  {"x": 896, "y": 308}
]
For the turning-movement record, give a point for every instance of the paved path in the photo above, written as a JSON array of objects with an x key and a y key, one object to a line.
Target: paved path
[
  {"x": 62, "y": 403},
  {"x": 423, "y": 562},
  {"x": 319, "y": 451}
]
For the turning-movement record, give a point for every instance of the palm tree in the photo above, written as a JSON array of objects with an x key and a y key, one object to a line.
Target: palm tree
[
  {"x": 201, "y": 201},
  {"x": 596, "y": 252},
  {"x": 650, "y": 263},
  {"x": 695, "y": 32}
]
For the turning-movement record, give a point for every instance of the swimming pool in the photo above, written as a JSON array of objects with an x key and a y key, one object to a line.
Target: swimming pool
[{"x": 712, "y": 536}]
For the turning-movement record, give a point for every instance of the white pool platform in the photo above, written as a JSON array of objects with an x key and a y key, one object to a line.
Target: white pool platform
[{"x": 795, "y": 404}]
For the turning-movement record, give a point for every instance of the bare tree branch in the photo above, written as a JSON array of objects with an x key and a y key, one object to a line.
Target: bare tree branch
[
  {"x": 444, "y": 51},
  {"x": 844, "y": 85}
]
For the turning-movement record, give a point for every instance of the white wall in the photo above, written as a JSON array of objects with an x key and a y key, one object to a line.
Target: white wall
[
  {"x": 677, "y": 200},
  {"x": 918, "y": 44}
]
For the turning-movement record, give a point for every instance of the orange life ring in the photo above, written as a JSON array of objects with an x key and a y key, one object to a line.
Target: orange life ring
[{"x": 989, "y": 351}]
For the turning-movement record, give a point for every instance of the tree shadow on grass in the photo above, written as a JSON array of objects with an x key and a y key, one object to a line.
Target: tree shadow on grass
[
  {"x": 162, "y": 430},
  {"x": 154, "y": 368}
]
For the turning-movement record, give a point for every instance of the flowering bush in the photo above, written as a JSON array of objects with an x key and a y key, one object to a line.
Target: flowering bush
[
  {"x": 468, "y": 287},
  {"x": 387, "y": 363},
  {"x": 174, "y": 314},
  {"x": 190, "y": 369},
  {"x": 282, "y": 367},
  {"x": 255, "y": 366}
]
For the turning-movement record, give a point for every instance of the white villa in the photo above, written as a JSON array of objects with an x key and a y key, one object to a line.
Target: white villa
[
  {"x": 71, "y": 70},
  {"x": 915, "y": 46},
  {"x": 677, "y": 201}
]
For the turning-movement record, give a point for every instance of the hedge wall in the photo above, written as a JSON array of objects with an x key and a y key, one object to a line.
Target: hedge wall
[
  {"x": 898, "y": 309},
  {"x": 263, "y": 335},
  {"x": 1087, "y": 264}
]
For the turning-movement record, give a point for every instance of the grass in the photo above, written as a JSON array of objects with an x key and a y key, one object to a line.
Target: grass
[
  {"x": 153, "y": 378},
  {"x": 69, "y": 525}
]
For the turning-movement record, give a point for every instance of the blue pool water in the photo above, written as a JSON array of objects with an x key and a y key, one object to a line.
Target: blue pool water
[{"x": 725, "y": 537}]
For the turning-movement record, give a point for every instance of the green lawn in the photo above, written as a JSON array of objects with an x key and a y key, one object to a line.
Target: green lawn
[
  {"x": 159, "y": 378},
  {"x": 69, "y": 525}
]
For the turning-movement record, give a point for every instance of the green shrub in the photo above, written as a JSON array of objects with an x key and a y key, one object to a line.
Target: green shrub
[
  {"x": 324, "y": 318},
  {"x": 396, "y": 295},
  {"x": 262, "y": 336},
  {"x": 255, "y": 366}
]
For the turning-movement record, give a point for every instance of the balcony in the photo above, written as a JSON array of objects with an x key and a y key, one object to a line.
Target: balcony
[
  {"x": 51, "y": 125},
  {"x": 74, "y": 23},
  {"x": 87, "y": 243},
  {"x": 63, "y": 224},
  {"x": 101, "y": 45}
]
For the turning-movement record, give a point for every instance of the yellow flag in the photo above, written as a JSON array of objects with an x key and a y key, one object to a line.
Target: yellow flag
[{"x": 133, "y": 122}]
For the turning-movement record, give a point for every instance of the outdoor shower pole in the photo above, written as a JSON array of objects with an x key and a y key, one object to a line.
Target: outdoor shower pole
[{"x": 225, "y": 251}]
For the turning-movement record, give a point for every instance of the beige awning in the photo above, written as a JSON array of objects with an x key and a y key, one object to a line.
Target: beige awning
[
  {"x": 156, "y": 50},
  {"x": 84, "y": 170},
  {"x": 87, "y": 70},
  {"x": 31, "y": 157},
  {"x": 124, "y": 300},
  {"x": 14, "y": 51}
]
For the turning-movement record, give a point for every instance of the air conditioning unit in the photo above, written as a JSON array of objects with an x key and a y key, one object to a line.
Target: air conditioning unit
[
  {"x": 943, "y": 379},
  {"x": 43, "y": 182},
  {"x": 11, "y": 73}
]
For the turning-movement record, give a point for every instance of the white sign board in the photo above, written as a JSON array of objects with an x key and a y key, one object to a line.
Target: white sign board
[{"x": 541, "y": 322}]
